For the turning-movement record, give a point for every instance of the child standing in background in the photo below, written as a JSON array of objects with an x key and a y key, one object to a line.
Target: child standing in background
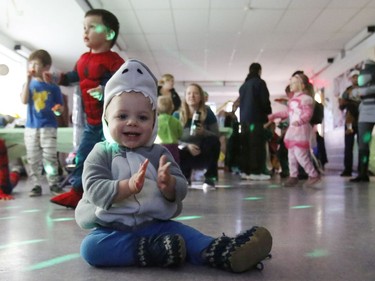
[
  {"x": 169, "y": 128},
  {"x": 93, "y": 70},
  {"x": 298, "y": 136},
  {"x": 133, "y": 189},
  {"x": 44, "y": 101}
]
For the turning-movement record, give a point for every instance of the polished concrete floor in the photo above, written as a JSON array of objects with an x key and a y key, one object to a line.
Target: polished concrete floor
[{"x": 325, "y": 233}]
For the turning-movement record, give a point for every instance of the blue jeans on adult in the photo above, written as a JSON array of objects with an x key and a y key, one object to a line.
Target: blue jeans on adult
[
  {"x": 110, "y": 247},
  {"x": 92, "y": 134}
]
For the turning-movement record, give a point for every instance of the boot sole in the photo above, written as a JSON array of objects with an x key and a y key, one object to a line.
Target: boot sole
[{"x": 252, "y": 252}]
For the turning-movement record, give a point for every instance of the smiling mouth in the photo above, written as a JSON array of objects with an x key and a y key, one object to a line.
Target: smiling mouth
[{"x": 131, "y": 134}]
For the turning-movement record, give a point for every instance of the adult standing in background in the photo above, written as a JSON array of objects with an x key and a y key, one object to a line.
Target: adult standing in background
[
  {"x": 350, "y": 104},
  {"x": 254, "y": 106},
  {"x": 366, "y": 120},
  {"x": 166, "y": 88}
]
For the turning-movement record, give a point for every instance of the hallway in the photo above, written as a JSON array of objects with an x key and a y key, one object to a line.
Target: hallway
[{"x": 326, "y": 233}]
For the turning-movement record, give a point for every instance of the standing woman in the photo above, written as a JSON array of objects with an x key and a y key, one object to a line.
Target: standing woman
[
  {"x": 201, "y": 148},
  {"x": 166, "y": 88},
  {"x": 254, "y": 106}
]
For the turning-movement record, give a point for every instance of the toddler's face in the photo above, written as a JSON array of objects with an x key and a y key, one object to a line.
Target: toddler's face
[
  {"x": 130, "y": 119},
  {"x": 36, "y": 68},
  {"x": 95, "y": 32},
  {"x": 295, "y": 85}
]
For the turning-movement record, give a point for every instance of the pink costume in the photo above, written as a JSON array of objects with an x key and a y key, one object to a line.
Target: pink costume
[{"x": 297, "y": 138}]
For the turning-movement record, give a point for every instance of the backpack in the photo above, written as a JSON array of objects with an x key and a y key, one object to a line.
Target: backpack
[{"x": 318, "y": 114}]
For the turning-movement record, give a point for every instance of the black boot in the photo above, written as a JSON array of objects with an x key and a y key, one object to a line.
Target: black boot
[
  {"x": 163, "y": 250},
  {"x": 241, "y": 253}
]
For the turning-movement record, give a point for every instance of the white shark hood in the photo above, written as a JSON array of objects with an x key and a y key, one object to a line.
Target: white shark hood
[{"x": 135, "y": 76}]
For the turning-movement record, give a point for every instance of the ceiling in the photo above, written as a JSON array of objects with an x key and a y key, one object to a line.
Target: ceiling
[{"x": 212, "y": 42}]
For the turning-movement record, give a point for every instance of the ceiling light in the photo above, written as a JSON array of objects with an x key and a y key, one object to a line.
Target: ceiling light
[{"x": 22, "y": 51}]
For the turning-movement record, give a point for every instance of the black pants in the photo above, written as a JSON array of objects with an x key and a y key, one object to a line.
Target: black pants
[
  {"x": 207, "y": 159},
  {"x": 364, "y": 140},
  {"x": 253, "y": 148}
]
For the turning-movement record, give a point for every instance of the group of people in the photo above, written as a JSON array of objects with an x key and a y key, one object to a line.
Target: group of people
[
  {"x": 256, "y": 117},
  {"x": 357, "y": 102},
  {"x": 125, "y": 187}
]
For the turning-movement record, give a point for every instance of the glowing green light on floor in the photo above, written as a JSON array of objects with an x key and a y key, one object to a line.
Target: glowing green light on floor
[
  {"x": 16, "y": 244},
  {"x": 224, "y": 186},
  {"x": 273, "y": 186},
  {"x": 185, "y": 218},
  {"x": 253, "y": 198},
  {"x": 251, "y": 128},
  {"x": 31, "y": 211},
  {"x": 317, "y": 253},
  {"x": 8, "y": 218},
  {"x": 53, "y": 262},
  {"x": 301, "y": 207},
  {"x": 63, "y": 219}
]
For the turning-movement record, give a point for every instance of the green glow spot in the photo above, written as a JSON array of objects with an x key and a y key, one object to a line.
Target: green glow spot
[
  {"x": 367, "y": 137},
  {"x": 50, "y": 170},
  {"x": 31, "y": 211},
  {"x": 99, "y": 28},
  {"x": 16, "y": 244},
  {"x": 252, "y": 126},
  {"x": 273, "y": 186},
  {"x": 301, "y": 207},
  {"x": 253, "y": 198},
  {"x": 317, "y": 253},
  {"x": 63, "y": 219},
  {"x": 364, "y": 159},
  {"x": 53, "y": 262},
  {"x": 8, "y": 218},
  {"x": 185, "y": 218}
]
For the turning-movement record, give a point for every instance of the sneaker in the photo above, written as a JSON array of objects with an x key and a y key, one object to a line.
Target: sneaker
[
  {"x": 163, "y": 250},
  {"x": 241, "y": 253},
  {"x": 56, "y": 189},
  {"x": 208, "y": 184},
  {"x": 346, "y": 174},
  {"x": 36, "y": 191},
  {"x": 360, "y": 179},
  {"x": 68, "y": 199},
  {"x": 291, "y": 182},
  {"x": 244, "y": 176},
  {"x": 260, "y": 177},
  {"x": 312, "y": 181}
]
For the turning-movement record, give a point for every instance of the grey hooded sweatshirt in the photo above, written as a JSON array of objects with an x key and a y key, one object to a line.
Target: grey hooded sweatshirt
[{"x": 108, "y": 163}]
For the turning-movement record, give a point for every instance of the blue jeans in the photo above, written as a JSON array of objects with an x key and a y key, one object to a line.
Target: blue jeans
[
  {"x": 109, "y": 247},
  {"x": 92, "y": 134}
]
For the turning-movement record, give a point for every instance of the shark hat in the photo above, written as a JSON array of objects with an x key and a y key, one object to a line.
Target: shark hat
[{"x": 132, "y": 76}]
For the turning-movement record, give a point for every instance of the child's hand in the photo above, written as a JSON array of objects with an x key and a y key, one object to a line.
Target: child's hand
[
  {"x": 137, "y": 180},
  {"x": 164, "y": 175},
  {"x": 166, "y": 181},
  {"x": 47, "y": 77},
  {"x": 96, "y": 93},
  {"x": 57, "y": 109}
]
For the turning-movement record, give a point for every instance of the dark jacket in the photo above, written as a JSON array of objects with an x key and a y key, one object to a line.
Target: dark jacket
[{"x": 255, "y": 103}]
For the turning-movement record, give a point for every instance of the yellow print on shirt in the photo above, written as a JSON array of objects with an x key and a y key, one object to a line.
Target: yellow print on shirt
[{"x": 39, "y": 99}]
